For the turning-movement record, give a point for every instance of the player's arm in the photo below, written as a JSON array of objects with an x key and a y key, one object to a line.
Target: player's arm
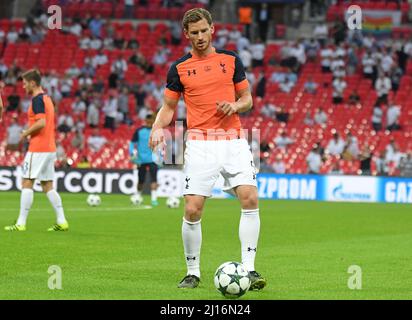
[
  {"x": 132, "y": 146},
  {"x": 163, "y": 119},
  {"x": 244, "y": 101},
  {"x": 39, "y": 110},
  {"x": 165, "y": 115}
]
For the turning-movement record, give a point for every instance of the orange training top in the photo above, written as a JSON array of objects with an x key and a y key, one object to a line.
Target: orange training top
[
  {"x": 203, "y": 81},
  {"x": 42, "y": 107}
]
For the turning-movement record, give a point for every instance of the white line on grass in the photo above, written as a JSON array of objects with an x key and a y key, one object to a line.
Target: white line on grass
[{"x": 93, "y": 209}]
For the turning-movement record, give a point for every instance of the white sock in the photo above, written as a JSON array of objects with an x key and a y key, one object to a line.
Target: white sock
[
  {"x": 56, "y": 202},
  {"x": 154, "y": 195},
  {"x": 192, "y": 241},
  {"x": 249, "y": 234},
  {"x": 26, "y": 200}
]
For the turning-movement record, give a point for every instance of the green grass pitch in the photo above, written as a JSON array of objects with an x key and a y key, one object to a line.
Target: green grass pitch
[{"x": 116, "y": 251}]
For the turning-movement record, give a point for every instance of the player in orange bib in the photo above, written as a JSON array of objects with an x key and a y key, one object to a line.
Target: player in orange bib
[
  {"x": 39, "y": 160},
  {"x": 215, "y": 90}
]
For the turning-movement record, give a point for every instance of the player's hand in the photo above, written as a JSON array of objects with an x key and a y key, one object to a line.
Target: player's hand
[
  {"x": 156, "y": 137},
  {"x": 22, "y": 137},
  {"x": 228, "y": 108}
]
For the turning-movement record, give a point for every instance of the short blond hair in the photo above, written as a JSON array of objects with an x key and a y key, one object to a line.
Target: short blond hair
[{"x": 195, "y": 15}]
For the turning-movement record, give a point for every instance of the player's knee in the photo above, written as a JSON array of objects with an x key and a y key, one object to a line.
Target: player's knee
[
  {"x": 249, "y": 201},
  {"x": 193, "y": 212}
]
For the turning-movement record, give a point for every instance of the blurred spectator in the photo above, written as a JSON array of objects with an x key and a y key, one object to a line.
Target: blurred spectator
[
  {"x": 13, "y": 135},
  {"x": 123, "y": 101},
  {"x": 78, "y": 140},
  {"x": 354, "y": 97},
  {"x": 320, "y": 116},
  {"x": 392, "y": 117},
  {"x": 310, "y": 86},
  {"x": 2, "y": 35},
  {"x": 286, "y": 86},
  {"x": 84, "y": 163},
  {"x": 395, "y": 75},
  {"x": 93, "y": 115},
  {"x": 405, "y": 166},
  {"x": 351, "y": 149},
  {"x": 268, "y": 110},
  {"x": 258, "y": 53},
  {"x": 392, "y": 153},
  {"x": 139, "y": 59},
  {"x": 13, "y": 101},
  {"x": 222, "y": 37},
  {"x": 308, "y": 119},
  {"x": 176, "y": 32},
  {"x": 314, "y": 161},
  {"x": 368, "y": 64},
  {"x": 339, "y": 85},
  {"x": 261, "y": 85},
  {"x": 382, "y": 167},
  {"x": 60, "y": 153},
  {"x": 326, "y": 56},
  {"x": 96, "y": 141},
  {"x": 243, "y": 43},
  {"x": 382, "y": 86},
  {"x": 377, "y": 116},
  {"x": 263, "y": 21},
  {"x": 85, "y": 82},
  {"x": 73, "y": 71},
  {"x": 119, "y": 66},
  {"x": 245, "y": 18},
  {"x": 161, "y": 56},
  {"x": 95, "y": 26},
  {"x": 336, "y": 170},
  {"x": 279, "y": 166},
  {"x": 320, "y": 33},
  {"x": 3, "y": 69},
  {"x": 365, "y": 160},
  {"x": 246, "y": 58},
  {"x": 311, "y": 49},
  {"x": 128, "y": 9},
  {"x": 281, "y": 114},
  {"x": 65, "y": 123},
  {"x": 353, "y": 61},
  {"x": 66, "y": 86},
  {"x": 335, "y": 145},
  {"x": 78, "y": 106},
  {"x": 99, "y": 84},
  {"x": 12, "y": 35},
  {"x": 283, "y": 141},
  {"x": 56, "y": 96},
  {"x": 110, "y": 110},
  {"x": 99, "y": 59}
]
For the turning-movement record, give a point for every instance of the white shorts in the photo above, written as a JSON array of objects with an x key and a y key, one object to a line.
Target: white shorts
[
  {"x": 205, "y": 160},
  {"x": 39, "y": 165}
]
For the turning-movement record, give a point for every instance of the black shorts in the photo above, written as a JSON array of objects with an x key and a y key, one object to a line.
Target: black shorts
[{"x": 152, "y": 168}]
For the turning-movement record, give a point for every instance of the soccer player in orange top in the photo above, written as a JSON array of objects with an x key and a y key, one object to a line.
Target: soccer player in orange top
[
  {"x": 214, "y": 86},
  {"x": 39, "y": 160}
]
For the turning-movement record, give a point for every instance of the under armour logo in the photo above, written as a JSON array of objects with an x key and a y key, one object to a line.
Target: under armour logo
[
  {"x": 251, "y": 249},
  {"x": 190, "y": 258},
  {"x": 222, "y": 65},
  {"x": 189, "y": 72},
  {"x": 187, "y": 182}
]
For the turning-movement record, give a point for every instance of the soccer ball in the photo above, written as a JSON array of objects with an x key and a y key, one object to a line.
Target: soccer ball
[
  {"x": 94, "y": 200},
  {"x": 232, "y": 280},
  {"x": 136, "y": 199},
  {"x": 173, "y": 202}
]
